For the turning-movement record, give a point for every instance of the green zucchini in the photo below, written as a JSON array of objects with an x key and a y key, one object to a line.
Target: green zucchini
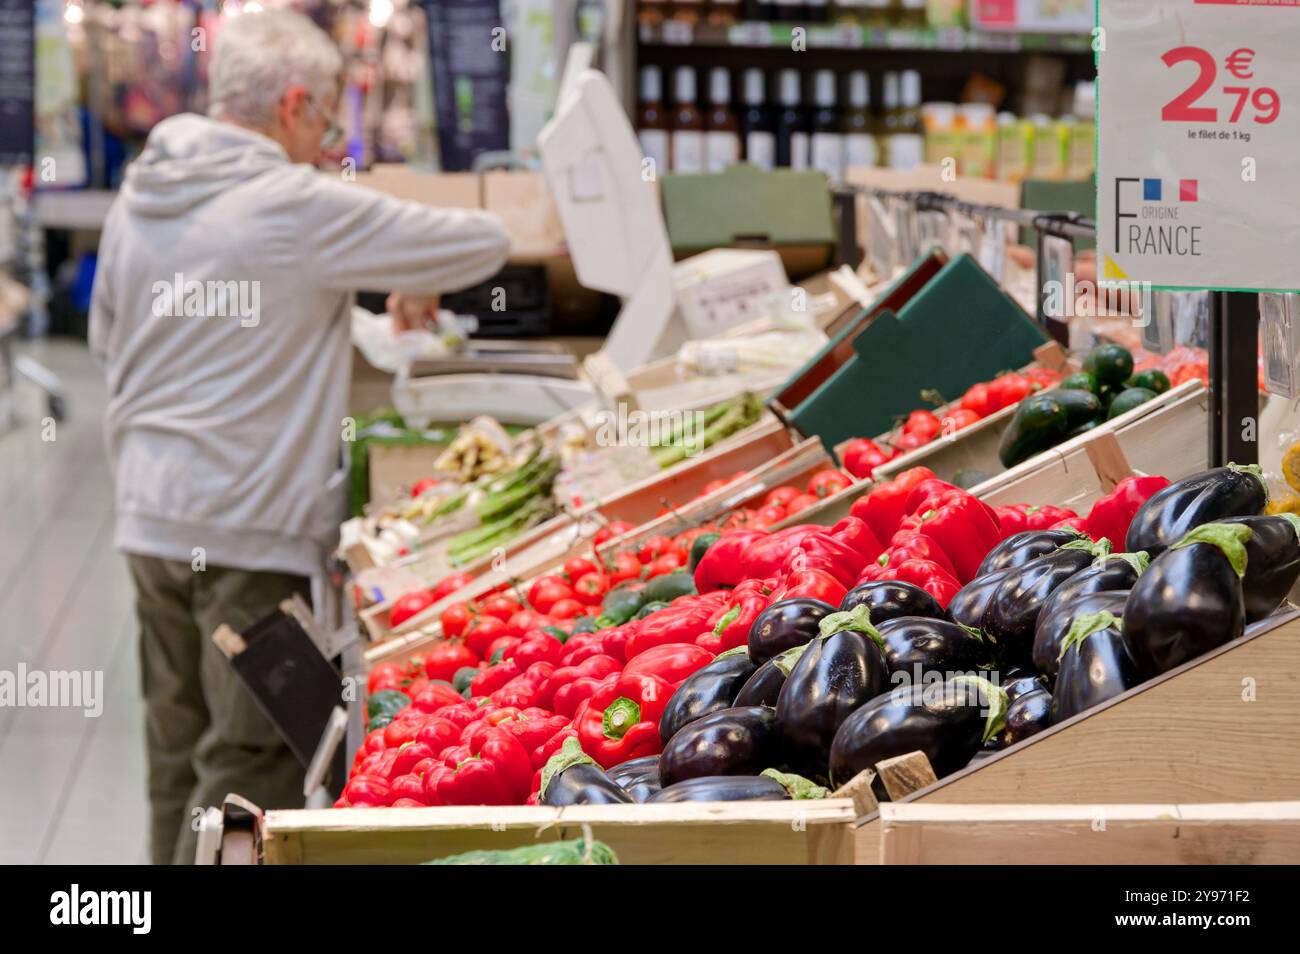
[
  {"x": 1040, "y": 422},
  {"x": 621, "y": 604},
  {"x": 1151, "y": 379},
  {"x": 1080, "y": 406},
  {"x": 1109, "y": 364},
  {"x": 387, "y": 702},
  {"x": 666, "y": 588},
  {"x": 653, "y": 606},
  {"x": 1129, "y": 399},
  {"x": 700, "y": 546},
  {"x": 1079, "y": 381}
]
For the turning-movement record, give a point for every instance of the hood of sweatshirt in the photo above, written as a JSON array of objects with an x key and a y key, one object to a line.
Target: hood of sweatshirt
[{"x": 188, "y": 159}]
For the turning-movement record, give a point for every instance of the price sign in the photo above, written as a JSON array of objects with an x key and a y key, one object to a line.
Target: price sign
[{"x": 1199, "y": 143}]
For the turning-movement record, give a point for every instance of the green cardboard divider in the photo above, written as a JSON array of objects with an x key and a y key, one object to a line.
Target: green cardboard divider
[{"x": 958, "y": 330}]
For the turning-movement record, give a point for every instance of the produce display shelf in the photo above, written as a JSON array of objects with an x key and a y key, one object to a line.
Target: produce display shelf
[
  {"x": 752, "y": 833},
  {"x": 848, "y": 36},
  {"x": 1224, "y": 727}
]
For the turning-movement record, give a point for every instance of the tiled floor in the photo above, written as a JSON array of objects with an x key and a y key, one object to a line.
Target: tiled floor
[{"x": 71, "y": 787}]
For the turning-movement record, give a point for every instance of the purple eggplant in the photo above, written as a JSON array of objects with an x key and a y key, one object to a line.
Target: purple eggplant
[
  {"x": 1115, "y": 571},
  {"x": 948, "y": 721},
  {"x": 1190, "y": 600},
  {"x": 1058, "y": 616},
  {"x": 1027, "y": 714},
  {"x": 571, "y": 777},
  {"x": 1095, "y": 666},
  {"x": 838, "y": 672},
  {"x": 1019, "y": 548},
  {"x": 764, "y": 687},
  {"x": 741, "y": 741},
  {"x": 638, "y": 777},
  {"x": 917, "y": 646},
  {"x": 723, "y": 788},
  {"x": 972, "y": 600},
  {"x": 1170, "y": 514},
  {"x": 1013, "y": 612},
  {"x": 785, "y": 625},
  {"x": 710, "y": 689},
  {"x": 892, "y": 599},
  {"x": 1018, "y": 682},
  {"x": 1272, "y": 562}
]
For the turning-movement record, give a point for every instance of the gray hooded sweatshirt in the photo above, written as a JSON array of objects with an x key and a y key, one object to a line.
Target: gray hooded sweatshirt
[{"x": 221, "y": 312}]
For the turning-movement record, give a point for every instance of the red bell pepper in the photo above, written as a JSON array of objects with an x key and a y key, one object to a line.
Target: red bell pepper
[
  {"x": 929, "y": 576},
  {"x": 1044, "y": 518},
  {"x": 813, "y": 584},
  {"x": 614, "y": 641},
  {"x": 582, "y": 646},
  {"x": 537, "y": 646},
  {"x": 912, "y": 545},
  {"x": 672, "y": 662},
  {"x": 621, "y": 719},
  {"x": 765, "y": 556},
  {"x": 882, "y": 508},
  {"x": 1111, "y": 515},
  {"x": 1074, "y": 523},
  {"x": 460, "y": 715},
  {"x": 729, "y": 625},
  {"x": 569, "y": 685},
  {"x": 438, "y": 734},
  {"x": 494, "y": 677},
  {"x": 534, "y": 726},
  {"x": 434, "y": 696},
  {"x": 1011, "y": 520},
  {"x": 966, "y": 529},
  {"x": 721, "y": 564},
  {"x": 522, "y": 691},
  {"x": 682, "y": 622},
  {"x": 497, "y": 771},
  {"x": 854, "y": 532},
  {"x": 821, "y": 551},
  {"x": 543, "y": 752},
  {"x": 926, "y": 495}
]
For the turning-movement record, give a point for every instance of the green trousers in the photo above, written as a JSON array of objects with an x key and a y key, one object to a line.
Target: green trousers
[{"x": 205, "y": 737}]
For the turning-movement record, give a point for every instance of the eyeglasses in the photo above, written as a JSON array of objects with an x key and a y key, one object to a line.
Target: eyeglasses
[{"x": 333, "y": 131}]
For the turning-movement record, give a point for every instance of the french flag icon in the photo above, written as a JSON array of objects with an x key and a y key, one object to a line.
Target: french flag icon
[
  {"x": 1188, "y": 189},
  {"x": 1153, "y": 190}
]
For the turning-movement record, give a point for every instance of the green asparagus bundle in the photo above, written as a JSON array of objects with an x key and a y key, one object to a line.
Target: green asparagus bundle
[{"x": 718, "y": 423}]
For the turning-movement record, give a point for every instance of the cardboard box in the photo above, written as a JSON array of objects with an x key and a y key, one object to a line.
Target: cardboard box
[{"x": 746, "y": 207}]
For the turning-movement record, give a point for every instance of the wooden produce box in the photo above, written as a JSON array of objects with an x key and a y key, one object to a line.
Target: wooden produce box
[
  {"x": 710, "y": 833},
  {"x": 1222, "y": 728},
  {"x": 755, "y": 451}
]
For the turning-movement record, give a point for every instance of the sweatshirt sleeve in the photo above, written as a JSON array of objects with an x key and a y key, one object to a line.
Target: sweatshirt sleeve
[
  {"x": 102, "y": 310},
  {"x": 359, "y": 239}
]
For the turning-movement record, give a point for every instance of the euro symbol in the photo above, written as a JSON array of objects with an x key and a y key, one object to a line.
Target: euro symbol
[{"x": 1239, "y": 63}]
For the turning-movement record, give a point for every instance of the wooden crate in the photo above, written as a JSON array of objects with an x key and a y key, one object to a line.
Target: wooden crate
[
  {"x": 1235, "y": 833},
  {"x": 751, "y": 833},
  {"x": 1221, "y": 728}
]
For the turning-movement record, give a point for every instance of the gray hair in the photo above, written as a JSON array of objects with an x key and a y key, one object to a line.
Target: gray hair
[{"x": 259, "y": 55}]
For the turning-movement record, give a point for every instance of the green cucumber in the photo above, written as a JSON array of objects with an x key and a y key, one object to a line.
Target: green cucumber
[
  {"x": 1080, "y": 406},
  {"x": 387, "y": 702},
  {"x": 1040, "y": 422},
  {"x": 652, "y": 607},
  {"x": 666, "y": 588},
  {"x": 1109, "y": 364},
  {"x": 621, "y": 604},
  {"x": 1079, "y": 381},
  {"x": 1128, "y": 399},
  {"x": 1151, "y": 379}
]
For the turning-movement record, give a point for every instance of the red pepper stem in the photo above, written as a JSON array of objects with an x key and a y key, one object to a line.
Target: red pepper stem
[{"x": 620, "y": 716}]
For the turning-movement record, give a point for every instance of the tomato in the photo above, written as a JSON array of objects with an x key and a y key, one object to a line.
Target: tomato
[
  {"x": 770, "y": 514},
  {"x": 978, "y": 399},
  {"x": 387, "y": 675},
  {"x": 827, "y": 482},
  {"x": 567, "y": 608},
  {"x": 575, "y": 568},
  {"x": 449, "y": 585},
  {"x": 455, "y": 620},
  {"x": 954, "y": 421},
  {"x": 420, "y": 486},
  {"x": 801, "y": 503},
  {"x": 665, "y": 564},
  {"x": 1043, "y": 378},
  {"x": 478, "y": 636},
  {"x": 523, "y": 621},
  {"x": 713, "y": 486},
  {"x": 540, "y": 583},
  {"x": 922, "y": 423},
  {"x": 505, "y": 645},
  {"x": 550, "y": 594},
  {"x": 448, "y": 656},
  {"x": 367, "y": 790},
  {"x": 780, "y": 496},
  {"x": 652, "y": 548},
  {"x": 592, "y": 587},
  {"x": 615, "y": 528},
  {"x": 374, "y": 742},
  {"x": 1008, "y": 389},
  {"x": 502, "y": 607},
  {"x": 439, "y": 734},
  {"x": 408, "y": 605},
  {"x": 862, "y": 456},
  {"x": 624, "y": 566},
  {"x": 910, "y": 442}
]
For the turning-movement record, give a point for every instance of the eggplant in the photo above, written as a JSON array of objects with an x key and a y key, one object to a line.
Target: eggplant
[
  {"x": 1013, "y": 611},
  {"x": 741, "y": 741},
  {"x": 1019, "y": 548},
  {"x": 785, "y": 625},
  {"x": 948, "y": 721},
  {"x": 838, "y": 672},
  {"x": 723, "y": 788},
  {"x": 1095, "y": 666},
  {"x": 1058, "y": 616},
  {"x": 1190, "y": 600},
  {"x": 1170, "y": 514},
  {"x": 1027, "y": 714},
  {"x": 764, "y": 687},
  {"x": 1272, "y": 562},
  {"x": 709, "y": 689},
  {"x": 572, "y": 777},
  {"x": 639, "y": 777},
  {"x": 892, "y": 599},
  {"x": 1018, "y": 682},
  {"x": 915, "y": 646},
  {"x": 972, "y": 600},
  {"x": 1115, "y": 571}
]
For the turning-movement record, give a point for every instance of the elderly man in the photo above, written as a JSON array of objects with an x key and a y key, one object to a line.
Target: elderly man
[{"x": 221, "y": 312}]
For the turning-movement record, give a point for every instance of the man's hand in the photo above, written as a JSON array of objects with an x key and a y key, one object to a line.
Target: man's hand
[{"x": 412, "y": 312}]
